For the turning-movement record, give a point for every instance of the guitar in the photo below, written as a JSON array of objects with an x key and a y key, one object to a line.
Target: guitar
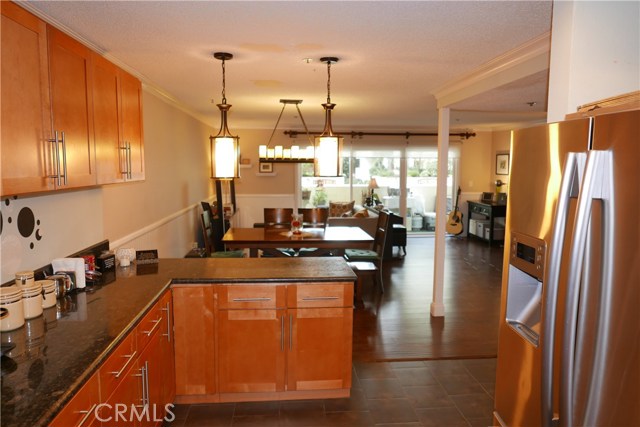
[{"x": 454, "y": 223}]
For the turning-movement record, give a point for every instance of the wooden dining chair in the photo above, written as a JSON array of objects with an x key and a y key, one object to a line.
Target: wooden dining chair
[
  {"x": 314, "y": 217},
  {"x": 277, "y": 219},
  {"x": 209, "y": 245},
  {"x": 376, "y": 254}
]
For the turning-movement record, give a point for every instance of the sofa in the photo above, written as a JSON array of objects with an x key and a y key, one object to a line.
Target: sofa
[{"x": 347, "y": 214}]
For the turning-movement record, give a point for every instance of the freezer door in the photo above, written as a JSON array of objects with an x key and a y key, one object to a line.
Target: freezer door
[
  {"x": 602, "y": 383},
  {"x": 537, "y": 160}
]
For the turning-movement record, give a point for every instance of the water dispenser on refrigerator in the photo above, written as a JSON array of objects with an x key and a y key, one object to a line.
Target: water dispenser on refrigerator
[{"x": 524, "y": 287}]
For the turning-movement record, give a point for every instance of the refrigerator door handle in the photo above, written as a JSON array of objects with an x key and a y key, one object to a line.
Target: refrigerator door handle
[
  {"x": 597, "y": 184},
  {"x": 569, "y": 188}
]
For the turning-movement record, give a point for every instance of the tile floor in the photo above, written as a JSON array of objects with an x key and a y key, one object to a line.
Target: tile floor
[{"x": 438, "y": 393}]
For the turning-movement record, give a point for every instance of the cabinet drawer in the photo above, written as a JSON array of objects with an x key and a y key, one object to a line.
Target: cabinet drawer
[
  {"x": 320, "y": 295},
  {"x": 152, "y": 322},
  {"x": 113, "y": 369},
  {"x": 80, "y": 411},
  {"x": 481, "y": 210},
  {"x": 251, "y": 296}
]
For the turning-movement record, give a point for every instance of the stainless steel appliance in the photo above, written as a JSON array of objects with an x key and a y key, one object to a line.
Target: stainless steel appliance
[{"x": 569, "y": 343}]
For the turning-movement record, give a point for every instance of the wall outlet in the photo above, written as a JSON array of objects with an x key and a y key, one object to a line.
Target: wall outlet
[{"x": 194, "y": 245}]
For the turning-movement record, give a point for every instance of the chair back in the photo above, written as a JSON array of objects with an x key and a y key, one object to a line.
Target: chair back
[
  {"x": 277, "y": 217},
  {"x": 380, "y": 238},
  {"x": 314, "y": 217},
  {"x": 207, "y": 231}
]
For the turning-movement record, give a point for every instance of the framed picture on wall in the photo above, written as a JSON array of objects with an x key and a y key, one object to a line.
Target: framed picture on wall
[
  {"x": 502, "y": 164},
  {"x": 266, "y": 167}
]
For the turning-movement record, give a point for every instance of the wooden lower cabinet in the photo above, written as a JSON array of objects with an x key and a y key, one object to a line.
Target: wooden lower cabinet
[
  {"x": 252, "y": 351},
  {"x": 265, "y": 342},
  {"x": 194, "y": 343},
  {"x": 134, "y": 385},
  {"x": 80, "y": 411},
  {"x": 319, "y": 355}
]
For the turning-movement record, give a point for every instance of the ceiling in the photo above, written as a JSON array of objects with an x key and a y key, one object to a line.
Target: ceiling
[{"x": 393, "y": 55}]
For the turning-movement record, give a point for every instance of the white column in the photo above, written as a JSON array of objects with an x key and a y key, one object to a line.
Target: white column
[{"x": 437, "y": 303}]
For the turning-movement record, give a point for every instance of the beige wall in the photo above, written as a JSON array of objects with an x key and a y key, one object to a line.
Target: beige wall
[
  {"x": 176, "y": 171},
  {"x": 251, "y": 182},
  {"x": 475, "y": 163}
]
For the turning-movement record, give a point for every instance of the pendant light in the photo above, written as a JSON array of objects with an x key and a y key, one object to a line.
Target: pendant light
[
  {"x": 225, "y": 148},
  {"x": 328, "y": 146}
]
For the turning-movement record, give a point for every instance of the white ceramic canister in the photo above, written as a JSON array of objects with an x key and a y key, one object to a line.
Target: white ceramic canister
[
  {"x": 32, "y": 301},
  {"x": 24, "y": 278},
  {"x": 48, "y": 293},
  {"x": 13, "y": 308}
]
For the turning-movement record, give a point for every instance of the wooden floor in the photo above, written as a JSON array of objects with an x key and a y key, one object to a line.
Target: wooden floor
[{"x": 397, "y": 325}]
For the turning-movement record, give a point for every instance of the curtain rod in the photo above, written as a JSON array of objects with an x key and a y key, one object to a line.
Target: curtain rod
[{"x": 354, "y": 134}]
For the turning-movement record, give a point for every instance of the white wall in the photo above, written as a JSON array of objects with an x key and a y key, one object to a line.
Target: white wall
[{"x": 595, "y": 53}]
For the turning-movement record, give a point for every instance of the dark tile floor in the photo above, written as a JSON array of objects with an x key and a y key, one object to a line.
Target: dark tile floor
[
  {"x": 391, "y": 331},
  {"x": 438, "y": 393}
]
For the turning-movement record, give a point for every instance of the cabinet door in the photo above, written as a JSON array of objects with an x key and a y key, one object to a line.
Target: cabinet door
[
  {"x": 72, "y": 105},
  {"x": 26, "y": 118},
  {"x": 151, "y": 361},
  {"x": 319, "y": 355},
  {"x": 168, "y": 362},
  {"x": 80, "y": 411},
  {"x": 125, "y": 407},
  {"x": 132, "y": 134},
  {"x": 252, "y": 346},
  {"x": 194, "y": 340},
  {"x": 110, "y": 155}
]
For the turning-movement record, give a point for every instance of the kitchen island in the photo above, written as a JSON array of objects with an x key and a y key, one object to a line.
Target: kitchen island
[{"x": 58, "y": 353}]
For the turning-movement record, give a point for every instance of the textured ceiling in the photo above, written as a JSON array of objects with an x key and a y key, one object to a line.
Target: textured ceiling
[{"x": 392, "y": 56}]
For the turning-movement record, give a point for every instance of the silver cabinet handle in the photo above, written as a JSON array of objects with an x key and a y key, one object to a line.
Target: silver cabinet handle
[
  {"x": 319, "y": 298},
  {"x": 251, "y": 299},
  {"x": 290, "y": 331},
  {"x": 145, "y": 384},
  {"x": 168, "y": 334},
  {"x": 125, "y": 160},
  {"x": 128, "y": 160},
  {"x": 156, "y": 323},
  {"x": 55, "y": 154},
  {"x": 130, "y": 358},
  {"x": 64, "y": 156},
  {"x": 282, "y": 333},
  {"x": 86, "y": 413}
]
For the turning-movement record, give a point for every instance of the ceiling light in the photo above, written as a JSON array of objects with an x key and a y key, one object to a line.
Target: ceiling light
[
  {"x": 225, "y": 148},
  {"x": 295, "y": 154},
  {"x": 328, "y": 146}
]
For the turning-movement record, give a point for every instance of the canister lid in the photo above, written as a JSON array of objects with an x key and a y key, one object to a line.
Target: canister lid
[
  {"x": 10, "y": 293},
  {"x": 47, "y": 284},
  {"x": 28, "y": 274},
  {"x": 31, "y": 290}
]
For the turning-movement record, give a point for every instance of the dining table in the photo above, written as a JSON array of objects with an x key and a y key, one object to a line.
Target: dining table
[{"x": 333, "y": 239}]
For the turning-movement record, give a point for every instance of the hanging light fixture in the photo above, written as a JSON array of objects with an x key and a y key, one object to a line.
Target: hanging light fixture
[
  {"x": 225, "y": 148},
  {"x": 328, "y": 146},
  {"x": 294, "y": 154}
]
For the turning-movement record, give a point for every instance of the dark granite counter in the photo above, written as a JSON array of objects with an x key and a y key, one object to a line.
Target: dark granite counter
[{"x": 57, "y": 352}]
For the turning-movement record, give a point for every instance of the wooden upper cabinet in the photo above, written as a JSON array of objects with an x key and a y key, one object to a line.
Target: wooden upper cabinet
[
  {"x": 26, "y": 116},
  {"x": 132, "y": 134},
  {"x": 72, "y": 107},
  {"x": 117, "y": 113},
  {"x": 106, "y": 118},
  {"x": 48, "y": 85}
]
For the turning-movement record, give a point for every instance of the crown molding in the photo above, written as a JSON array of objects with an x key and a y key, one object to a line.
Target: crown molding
[{"x": 525, "y": 60}]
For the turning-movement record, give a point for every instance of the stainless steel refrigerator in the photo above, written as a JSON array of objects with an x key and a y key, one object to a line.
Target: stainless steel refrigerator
[{"x": 569, "y": 339}]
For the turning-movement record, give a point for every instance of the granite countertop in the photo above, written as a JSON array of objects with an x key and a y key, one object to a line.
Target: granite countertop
[{"x": 57, "y": 352}]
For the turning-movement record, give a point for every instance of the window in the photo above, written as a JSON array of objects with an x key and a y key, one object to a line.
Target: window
[{"x": 406, "y": 182}]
